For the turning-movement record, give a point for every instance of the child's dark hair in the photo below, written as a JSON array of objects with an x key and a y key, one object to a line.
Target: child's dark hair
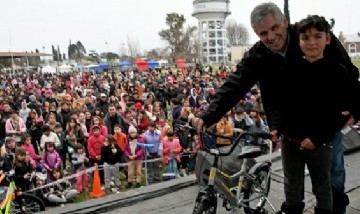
[
  {"x": 57, "y": 126},
  {"x": 49, "y": 144},
  {"x": 77, "y": 147},
  {"x": 57, "y": 170},
  {"x": 110, "y": 138},
  {"x": 24, "y": 138},
  {"x": 19, "y": 152},
  {"x": 45, "y": 128},
  {"x": 170, "y": 134},
  {"x": 117, "y": 126},
  {"x": 313, "y": 21}
]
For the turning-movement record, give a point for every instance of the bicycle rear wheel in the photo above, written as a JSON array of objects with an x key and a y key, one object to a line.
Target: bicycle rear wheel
[
  {"x": 27, "y": 203},
  {"x": 257, "y": 192}
]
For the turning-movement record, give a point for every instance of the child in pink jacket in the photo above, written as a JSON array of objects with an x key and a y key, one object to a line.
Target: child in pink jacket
[
  {"x": 51, "y": 159},
  {"x": 171, "y": 151}
]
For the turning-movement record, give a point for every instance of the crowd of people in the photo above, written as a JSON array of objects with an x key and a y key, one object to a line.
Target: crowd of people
[{"x": 62, "y": 124}]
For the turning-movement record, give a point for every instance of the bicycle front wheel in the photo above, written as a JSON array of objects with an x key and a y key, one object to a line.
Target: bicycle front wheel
[
  {"x": 27, "y": 204},
  {"x": 205, "y": 204},
  {"x": 258, "y": 190}
]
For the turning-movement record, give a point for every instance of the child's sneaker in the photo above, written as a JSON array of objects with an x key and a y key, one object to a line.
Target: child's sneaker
[
  {"x": 138, "y": 185},
  {"x": 120, "y": 188},
  {"x": 184, "y": 172},
  {"x": 129, "y": 185}
]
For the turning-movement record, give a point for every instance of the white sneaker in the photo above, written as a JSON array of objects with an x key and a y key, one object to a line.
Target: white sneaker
[{"x": 183, "y": 171}]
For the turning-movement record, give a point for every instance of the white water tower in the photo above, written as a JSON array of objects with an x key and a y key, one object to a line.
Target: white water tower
[{"x": 211, "y": 15}]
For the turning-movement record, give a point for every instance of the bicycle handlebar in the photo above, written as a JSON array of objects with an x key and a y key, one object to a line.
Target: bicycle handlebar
[{"x": 256, "y": 135}]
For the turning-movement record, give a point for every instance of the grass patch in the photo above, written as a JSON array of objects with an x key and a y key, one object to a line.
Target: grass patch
[
  {"x": 356, "y": 62},
  {"x": 82, "y": 197}
]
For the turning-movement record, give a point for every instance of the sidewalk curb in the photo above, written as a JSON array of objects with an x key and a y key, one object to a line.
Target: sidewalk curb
[
  {"x": 133, "y": 196},
  {"x": 124, "y": 199}
]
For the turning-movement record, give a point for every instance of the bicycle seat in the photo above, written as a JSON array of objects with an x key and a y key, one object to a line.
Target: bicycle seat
[{"x": 250, "y": 152}]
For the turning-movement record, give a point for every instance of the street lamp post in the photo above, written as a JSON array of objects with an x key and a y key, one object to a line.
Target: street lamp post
[
  {"x": 44, "y": 56},
  {"x": 107, "y": 51}
]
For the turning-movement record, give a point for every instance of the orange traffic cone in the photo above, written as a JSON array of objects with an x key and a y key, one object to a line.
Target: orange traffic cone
[{"x": 96, "y": 192}]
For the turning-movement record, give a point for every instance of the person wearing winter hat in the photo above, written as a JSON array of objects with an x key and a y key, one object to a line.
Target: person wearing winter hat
[
  {"x": 32, "y": 98},
  {"x": 34, "y": 104},
  {"x": 135, "y": 156},
  {"x": 132, "y": 129}
]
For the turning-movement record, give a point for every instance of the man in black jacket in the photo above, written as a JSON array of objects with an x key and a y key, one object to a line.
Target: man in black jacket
[
  {"x": 276, "y": 52},
  {"x": 113, "y": 118}
]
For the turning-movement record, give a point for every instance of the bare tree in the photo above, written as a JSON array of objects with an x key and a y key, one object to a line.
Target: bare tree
[
  {"x": 133, "y": 48},
  {"x": 153, "y": 54},
  {"x": 237, "y": 34}
]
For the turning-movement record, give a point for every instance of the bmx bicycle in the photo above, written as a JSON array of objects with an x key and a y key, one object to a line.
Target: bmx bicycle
[{"x": 247, "y": 187}]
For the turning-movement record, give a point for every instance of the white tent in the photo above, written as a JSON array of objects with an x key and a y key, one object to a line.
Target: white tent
[
  {"x": 64, "y": 68},
  {"x": 91, "y": 66},
  {"x": 164, "y": 63},
  {"x": 48, "y": 70}
]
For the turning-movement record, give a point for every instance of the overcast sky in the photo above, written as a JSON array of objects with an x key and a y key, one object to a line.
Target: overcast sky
[{"x": 30, "y": 24}]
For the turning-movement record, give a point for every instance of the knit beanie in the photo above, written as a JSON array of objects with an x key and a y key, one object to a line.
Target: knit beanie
[{"x": 132, "y": 129}]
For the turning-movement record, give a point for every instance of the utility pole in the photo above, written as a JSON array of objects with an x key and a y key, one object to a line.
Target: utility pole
[
  {"x": 12, "y": 55},
  {"x": 107, "y": 51},
  {"x": 286, "y": 10}
]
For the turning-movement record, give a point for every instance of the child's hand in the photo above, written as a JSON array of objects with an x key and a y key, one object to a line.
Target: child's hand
[
  {"x": 27, "y": 176},
  {"x": 106, "y": 143}
]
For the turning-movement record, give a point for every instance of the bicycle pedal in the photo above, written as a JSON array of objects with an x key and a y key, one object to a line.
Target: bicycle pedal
[{"x": 226, "y": 205}]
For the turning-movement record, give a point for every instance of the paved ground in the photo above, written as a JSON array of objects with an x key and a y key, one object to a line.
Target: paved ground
[{"x": 164, "y": 197}]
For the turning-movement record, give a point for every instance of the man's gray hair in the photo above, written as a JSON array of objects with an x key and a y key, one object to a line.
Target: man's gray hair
[{"x": 262, "y": 10}]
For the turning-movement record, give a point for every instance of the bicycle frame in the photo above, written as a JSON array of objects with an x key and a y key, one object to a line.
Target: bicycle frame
[
  {"x": 235, "y": 199},
  {"x": 254, "y": 176},
  {"x": 5, "y": 205}
]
